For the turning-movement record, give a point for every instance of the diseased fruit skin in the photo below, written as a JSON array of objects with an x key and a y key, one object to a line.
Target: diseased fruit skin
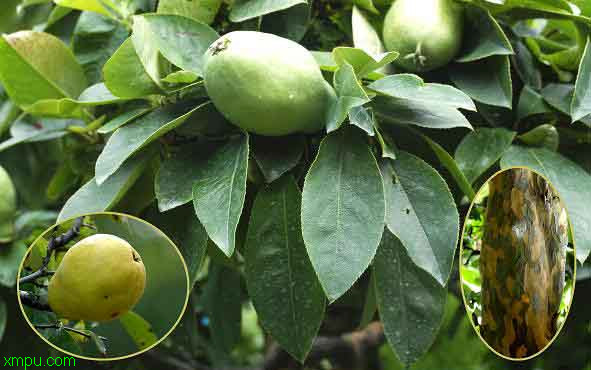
[
  {"x": 7, "y": 207},
  {"x": 426, "y": 33},
  {"x": 266, "y": 84},
  {"x": 99, "y": 279}
]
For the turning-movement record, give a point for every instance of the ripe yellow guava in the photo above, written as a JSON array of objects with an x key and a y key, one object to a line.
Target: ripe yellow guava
[
  {"x": 426, "y": 33},
  {"x": 7, "y": 207},
  {"x": 99, "y": 279},
  {"x": 266, "y": 84}
]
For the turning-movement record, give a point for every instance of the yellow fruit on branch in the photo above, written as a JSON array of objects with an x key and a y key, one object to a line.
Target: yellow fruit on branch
[{"x": 99, "y": 279}]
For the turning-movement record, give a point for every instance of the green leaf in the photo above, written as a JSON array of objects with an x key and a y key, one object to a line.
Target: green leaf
[
  {"x": 202, "y": 10},
  {"x": 122, "y": 119},
  {"x": 92, "y": 198},
  {"x": 581, "y": 103},
  {"x": 365, "y": 37},
  {"x": 130, "y": 138},
  {"x": 219, "y": 190},
  {"x": 367, "y": 5},
  {"x": 139, "y": 330},
  {"x": 277, "y": 155},
  {"x": 571, "y": 183},
  {"x": 484, "y": 36},
  {"x": 243, "y": 10},
  {"x": 481, "y": 149},
  {"x": 350, "y": 94},
  {"x": 183, "y": 41},
  {"x": 526, "y": 67},
  {"x": 410, "y": 302},
  {"x": 363, "y": 118},
  {"x": 421, "y": 212},
  {"x": 342, "y": 210},
  {"x": 280, "y": 278},
  {"x": 450, "y": 164},
  {"x": 36, "y": 66},
  {"x": 291, "y": 23},
  {"x": 418, "y": 113},
  {"x": 3, "y": 318},
  {"x": 362, "y": 62},
  {"x": 412, "y": 87},
  {"x": 560, "y": 96},
  {"x": 544, "y": 135},
  {"x": 175, "y": 179},
  {"x": 125, "y": 75},
  {"x": 222, "y": 297},
  {"x": 184, "y": 229},
  {"x": 493, "y": 87},
  {"x": 95, "y": 39},
  {"x": 531, "y": 103},
  {"x": 11, "y": 256},
  {"x": 24, "y": 131}
]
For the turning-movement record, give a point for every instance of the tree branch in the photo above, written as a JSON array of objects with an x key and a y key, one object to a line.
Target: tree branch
[
  {"x": 33, "y": 301},
  {"x": 52, "y": 246}
]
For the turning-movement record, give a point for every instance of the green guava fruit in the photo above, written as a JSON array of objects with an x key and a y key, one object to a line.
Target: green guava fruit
[
  {"x": 7, "y": 207},
  {"x": 426, "y": 33},
  {"x": 99, "y": 279},
  {"x": 266, "y": 84}
]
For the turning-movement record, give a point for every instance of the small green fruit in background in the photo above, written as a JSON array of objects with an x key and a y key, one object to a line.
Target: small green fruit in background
[
  {"x": 99, "y": 279},
  {"x": 266, "y": 84},
  {"x": 7, "y": 207},
  {"x": 426, "y": 33}
]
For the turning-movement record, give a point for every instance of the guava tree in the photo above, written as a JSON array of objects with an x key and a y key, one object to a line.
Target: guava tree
[{"x": 312, "y": 160}]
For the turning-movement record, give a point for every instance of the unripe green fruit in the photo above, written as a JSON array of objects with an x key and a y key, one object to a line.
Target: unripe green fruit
[
  {"x": 266, "y": 84},
  {"x": 99, "y": 279},
  {"x": 7, "y": 207},
  {"x": 426, "y": 33}
]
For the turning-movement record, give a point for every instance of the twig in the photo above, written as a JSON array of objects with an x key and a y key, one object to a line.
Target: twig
[
  {"x": 52, "y": 246},
  {"x": 33, "y": 301}
]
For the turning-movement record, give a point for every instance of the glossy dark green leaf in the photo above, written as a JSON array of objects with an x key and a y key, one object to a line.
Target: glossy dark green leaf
[
  {"x": 130, "y": 138},
  {"x": 247, "y": 9},
  {"x": 11, "y": 256},
  {"x": 581, "y": 103},
  {"x": 350, "y": 94},
  {"x": 342, "y": 210},
  {"x": 277, "y": 155},
  {"x": 98, "y": 198},
  {"x": 484, "y": 36},
  {"x": 122, "y": 119},
  {"x": 481, "y": 149},
  {"x": 184, "y": 229},
  {"x": 418, "y": 113},
  {"x": 412, "y": 87},
  {"x": 571, "y": 182},
  {"x": 291, "y": 23},
  {"x": 526, "y": 67},
  {"x": 183, "y": 41},
  {"x": 560, "y": 96},
  {"x": 493, "y": 87},
  {"x": 452, "y": 166},
  {"x": 139, "y": 330},
  {"x": 363, "y": 118},
  {"x": 219, "y": 190},
  {"x": 24, "y": 130},
  {"x": 125, "y": 75},
  {"x": 280, "y": 278},
  {"x": 222, "y": 297},
  {"x": 531, "y": 103},
  {"x": 411, "y": 303},
  {"x": 421, "y": 212},
  {"x": 174, "y": 181},
  {"x": 96, "y": 37}
]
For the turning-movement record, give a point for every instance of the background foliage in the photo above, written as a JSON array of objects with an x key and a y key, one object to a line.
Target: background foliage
[{"x": 112, "y": 115}]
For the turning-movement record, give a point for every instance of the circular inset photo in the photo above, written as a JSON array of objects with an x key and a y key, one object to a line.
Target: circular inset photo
[
  {"x": 517, "y": 265},
  {"x": 104, "y": 286}
]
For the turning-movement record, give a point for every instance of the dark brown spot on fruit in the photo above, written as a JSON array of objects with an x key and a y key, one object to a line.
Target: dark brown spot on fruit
[
  {"x": 114, "y": 314},
  {"x": 135, "y": 256}
]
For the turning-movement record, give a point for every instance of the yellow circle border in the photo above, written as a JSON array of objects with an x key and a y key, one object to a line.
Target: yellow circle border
[
  {"x": 461, "y": 281},
  {"x": 98, "y": 359}
]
